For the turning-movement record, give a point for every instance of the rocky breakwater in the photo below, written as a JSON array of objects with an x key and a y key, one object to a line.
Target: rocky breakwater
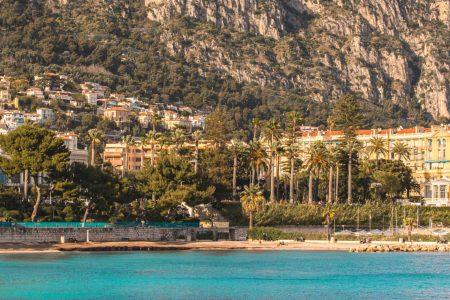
[{"x": 401, "y": 248}]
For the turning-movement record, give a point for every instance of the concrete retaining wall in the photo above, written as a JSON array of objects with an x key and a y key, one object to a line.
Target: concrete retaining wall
[{"x": 53, "y": 235}]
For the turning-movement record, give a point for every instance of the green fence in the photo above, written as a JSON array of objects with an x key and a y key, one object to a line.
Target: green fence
[
  {"x": 159, "y": 224},
  {"x": 99, "y": 224},
  {"x": 62, "y": 224},
  {"x": 5, "y": 224}
]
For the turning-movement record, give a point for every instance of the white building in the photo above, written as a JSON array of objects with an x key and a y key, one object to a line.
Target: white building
[
  {"x": 35, "y": 92},
  {"x": 197, "y": 121},
  {"x": 61, "y": 95},
  {"x": 45, "y": 114},
  {"x": 71, "y": 141},
  {"x": 12, "y": 119},
  {"x": 93, "y": 87},
  {"x": 437, "y": 193},
  {"x": 91, "y": 97}
]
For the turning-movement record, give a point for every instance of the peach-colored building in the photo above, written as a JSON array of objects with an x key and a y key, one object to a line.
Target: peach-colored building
[
  {"x": 115, "y": 154},
  {"x": 118, "y": 114}
]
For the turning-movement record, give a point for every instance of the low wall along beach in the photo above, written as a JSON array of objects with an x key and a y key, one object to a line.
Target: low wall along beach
[{"x": 53, "y": 235}]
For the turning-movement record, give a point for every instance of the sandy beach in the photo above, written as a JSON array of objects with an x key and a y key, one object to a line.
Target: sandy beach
[
  {"x": 208, "y": 245},
  {"x": 165, "y": 246},
  {"x": 202, "y": 245}
]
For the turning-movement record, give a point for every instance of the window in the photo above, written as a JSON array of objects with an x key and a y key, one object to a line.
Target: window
[
  {"x": 444, "y": 142},
  {"x": 430, "y": 143},
  {"x": 442, "y": 193},
  {"x": 427, "y": 191},
  {"x": 435, "y": 191}
]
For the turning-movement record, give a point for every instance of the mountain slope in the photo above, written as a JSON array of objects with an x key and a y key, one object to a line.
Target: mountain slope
[
  {"x": 256, "y": 57},
  {"x": 386, "y": 50}
]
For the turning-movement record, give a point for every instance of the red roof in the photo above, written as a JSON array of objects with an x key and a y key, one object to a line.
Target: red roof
[
  {"x": 364, "y": 132},
  {"x": 333, "y": 132},
  {"x": 406, "y": 130}
]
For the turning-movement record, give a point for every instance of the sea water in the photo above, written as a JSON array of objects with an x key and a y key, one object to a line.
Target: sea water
[{"x": 225, "y": 275}]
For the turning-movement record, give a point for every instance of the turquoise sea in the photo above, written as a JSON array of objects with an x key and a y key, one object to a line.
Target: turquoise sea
[{"x": 225, "y": 275}]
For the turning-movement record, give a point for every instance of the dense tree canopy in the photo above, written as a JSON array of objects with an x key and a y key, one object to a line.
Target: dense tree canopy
[{"x": 34, "y": 150}]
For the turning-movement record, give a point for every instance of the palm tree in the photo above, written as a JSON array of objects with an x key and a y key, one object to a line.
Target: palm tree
[
  {"x": 235, "y": 147},
  {"x": 401, "y": 150},
  {"x": 155, "y": 121},
  {"x": 279, "y": 152},
  {"x": 271, "y": 136},
  {"x": 252, "y": 200},
  {"x": 409, "y": 223},
  {"x": 351, "y": 144},
  {"x": 317, "y": 159},
  {"x": 258, "y": 158},
  {"x": 331, "y": 164},
  {"x": 96, "y": 137},
  {"x": 293, "y": 119},
  {"x": 128, "y": 141},
  {"x": 377, "y": 146},
  {"x": 256, "y": 123},
  {"x": 144, "y": 142},
  {"x": 336, "y": 185},
  {"x": 329, "y": 214},
  {"x": 272, "y": 152},
  {"x": 196, "y": 135},
  {"x": 153, "y": 140},
  {"x": 178, "y": 138},
  {"x": 291, "y": 151}
]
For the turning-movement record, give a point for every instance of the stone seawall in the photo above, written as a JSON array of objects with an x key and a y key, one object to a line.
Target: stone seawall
[{"x": 117, "y": 234}]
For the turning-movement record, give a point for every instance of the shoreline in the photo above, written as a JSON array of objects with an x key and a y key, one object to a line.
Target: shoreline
[{"x": 309, "y": 245}]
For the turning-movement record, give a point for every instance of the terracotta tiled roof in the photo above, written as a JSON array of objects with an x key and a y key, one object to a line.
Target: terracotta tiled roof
[
  {"x": 333, "y": 132},
  {"x": 364, "y": 132},
  {"x": 406, "y": 130}
]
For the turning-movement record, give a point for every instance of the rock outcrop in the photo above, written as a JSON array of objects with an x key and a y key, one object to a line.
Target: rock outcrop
[{"x": 389, "y": 51}]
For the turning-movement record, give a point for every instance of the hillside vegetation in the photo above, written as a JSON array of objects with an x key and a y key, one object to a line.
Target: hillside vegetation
[{"x": 275, "y": 57}]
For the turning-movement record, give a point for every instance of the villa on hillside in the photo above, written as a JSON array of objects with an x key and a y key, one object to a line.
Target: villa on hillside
[{"x": 118, "y": 114}]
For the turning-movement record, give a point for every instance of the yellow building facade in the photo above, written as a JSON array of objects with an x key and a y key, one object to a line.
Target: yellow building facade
[{"x": 428, "y": 157}]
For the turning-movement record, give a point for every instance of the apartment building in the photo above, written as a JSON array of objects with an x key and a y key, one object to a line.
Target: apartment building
[
  {"x": 115, "y": 154},
  {"x": 428, "y": 158}
]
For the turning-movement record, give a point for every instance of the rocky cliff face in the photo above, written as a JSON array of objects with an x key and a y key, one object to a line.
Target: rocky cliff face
[{"x": 389, "y": 51}]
